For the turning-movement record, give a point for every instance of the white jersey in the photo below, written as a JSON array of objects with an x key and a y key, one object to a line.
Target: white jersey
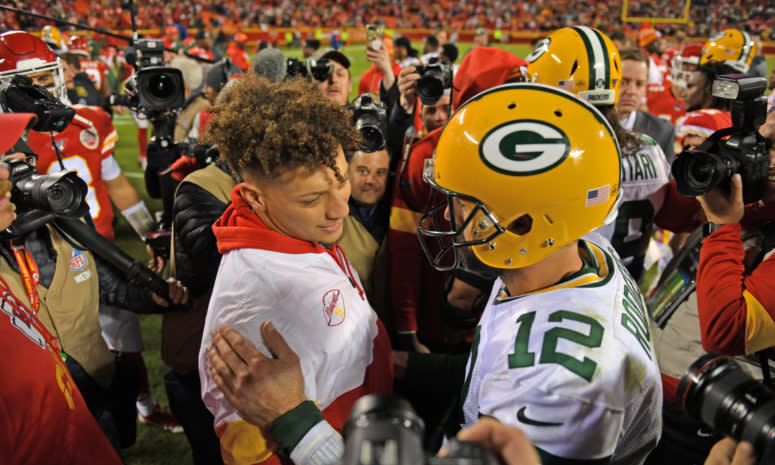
[
  {"x": 572, "y": 365},
  {"x": 645, "y": 175}
]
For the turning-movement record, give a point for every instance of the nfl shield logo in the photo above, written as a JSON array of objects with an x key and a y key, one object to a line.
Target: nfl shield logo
[{"x": 78, "y": 260}]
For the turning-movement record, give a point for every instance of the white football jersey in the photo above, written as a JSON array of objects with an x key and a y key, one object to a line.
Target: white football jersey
[
  {"x": 572, "y": 365},
  {"x": 644, "y": 177}
]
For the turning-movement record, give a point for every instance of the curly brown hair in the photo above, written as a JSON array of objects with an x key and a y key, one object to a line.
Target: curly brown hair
[{"x": 266, "y": 128}]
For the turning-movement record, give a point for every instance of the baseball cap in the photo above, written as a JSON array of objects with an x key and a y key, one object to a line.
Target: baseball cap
[
  {"x": 13, "y": 125},
  {"x": 333, "y": 55},
  {"x": 646, "y": 35}
]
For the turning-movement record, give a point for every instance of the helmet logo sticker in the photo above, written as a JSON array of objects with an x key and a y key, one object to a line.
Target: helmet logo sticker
[
  {"x": 524, "y": 147},
  {"x": 541, "y": 48}
]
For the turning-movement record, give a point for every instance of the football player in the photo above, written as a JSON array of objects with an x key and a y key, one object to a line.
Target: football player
[
  {"x": 563, "y": 349},
  {"x": 733, "y": 47},
  {"x": 584, "y": 61}
]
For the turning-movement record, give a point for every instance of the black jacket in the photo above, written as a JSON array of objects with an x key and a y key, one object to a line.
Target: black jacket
[{"x": 196, "y": 252}]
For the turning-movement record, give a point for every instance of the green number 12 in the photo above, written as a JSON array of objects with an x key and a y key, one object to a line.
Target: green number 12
[{"x": 585, "y": 368}]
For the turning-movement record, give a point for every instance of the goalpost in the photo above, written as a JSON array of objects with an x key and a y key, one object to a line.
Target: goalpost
[{"x": 655, "y": 19}]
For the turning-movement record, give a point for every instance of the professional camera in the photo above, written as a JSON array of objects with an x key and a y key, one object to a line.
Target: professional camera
[
  {"x": 19, "y": 95},
  {"x": 434, "y": 78},
  {"x": 320, "y": 70},
  {"x": 738, "y": 149},
  {"x": 154, "y": 86},
  {"x": 60, "y": 193},
  {"x": 370, "y": 119},
  {"x": 716, "y": 391},
  {"x": 385, "y": 430}
]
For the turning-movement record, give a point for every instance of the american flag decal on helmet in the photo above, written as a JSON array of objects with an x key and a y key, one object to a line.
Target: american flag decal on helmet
[{"x": 598, "y": 196}]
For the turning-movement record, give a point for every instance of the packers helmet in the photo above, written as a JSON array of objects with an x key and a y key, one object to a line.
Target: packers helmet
[
  {"x": 733, "y": 47},
  {"x": 580, "y": 59},
  {"x": 52, "y": 37},
  {"x": 537, "y": 167}
]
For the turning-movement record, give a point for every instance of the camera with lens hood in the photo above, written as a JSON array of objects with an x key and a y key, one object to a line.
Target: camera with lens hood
[
  {"x": 370, "y": 119},
  {"x": 718, "y": 392},
  {"x": 738, "y": 149},
  {"x": 435, "y": 77},
  {"x": 384, "y": 430},
  {"x": 153, "y": 87},
  {"x": 320, "y": 70}
]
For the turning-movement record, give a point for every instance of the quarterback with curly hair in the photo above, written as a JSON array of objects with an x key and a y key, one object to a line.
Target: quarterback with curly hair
[{"x": 281, "y": 262}]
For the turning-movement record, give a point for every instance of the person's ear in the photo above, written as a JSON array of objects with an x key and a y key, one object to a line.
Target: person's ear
[{"x": 254, "y": 196}]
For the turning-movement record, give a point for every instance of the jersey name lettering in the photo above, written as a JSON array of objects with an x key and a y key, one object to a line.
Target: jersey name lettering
[
  {"x": 638, "y": 167},
  {"x": 634, "y": 318}
]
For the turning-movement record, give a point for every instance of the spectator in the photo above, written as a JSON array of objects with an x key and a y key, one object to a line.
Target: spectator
[
  {"x": 635, "y": 65},
  {"x": 310, "y": 47},
  {"x": 404, "y": 53},
  {"x": 337, "y": 87},
  {"x": 430, "y": 48}
]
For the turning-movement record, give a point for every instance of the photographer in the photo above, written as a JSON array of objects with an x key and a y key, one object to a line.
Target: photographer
[{"x": 38, "y": 398}]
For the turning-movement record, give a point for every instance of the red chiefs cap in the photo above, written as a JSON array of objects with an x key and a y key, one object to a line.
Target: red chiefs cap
[{"x": 13, "y": 125}]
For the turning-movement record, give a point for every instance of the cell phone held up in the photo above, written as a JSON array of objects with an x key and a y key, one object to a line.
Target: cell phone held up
[{"x": 375, "y": 35}]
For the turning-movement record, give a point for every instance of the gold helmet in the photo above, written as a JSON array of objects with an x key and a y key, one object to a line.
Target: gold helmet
[
  {"x": 52, "y": 37},
  {"x": 580, "y": 59},
  {"x": 526, "y": 155},
  {"x": 733, "y": 47}
]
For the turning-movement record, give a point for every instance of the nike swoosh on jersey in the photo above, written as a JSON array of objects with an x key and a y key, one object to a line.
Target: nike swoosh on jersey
[{"x": 529, "y": 421}]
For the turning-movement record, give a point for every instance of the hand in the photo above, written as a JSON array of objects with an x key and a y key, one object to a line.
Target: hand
[
  {"x": 261, "y": 388},
  {"x": 729, "y": 452},
  {"x": 508, "y": 443},
  {"x": 400, "y": 363},
  {"x": 156, "y": 263},
  {"x": 721, "y": 208},
  {"x": 7, "y": 209},
  {"x": 410, "y": 342},
  {"x": 407, "y": 82},
  {"x": 381, "y": 58},
  {"x": 178, "y": 294}
]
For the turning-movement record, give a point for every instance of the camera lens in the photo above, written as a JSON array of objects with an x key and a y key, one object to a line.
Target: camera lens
[
  {"x": 371, "y": 139},
  {"x": 697, "y": 172},
  {"x": 718, "y": 392},
  {"x": 160, "y": 86},
  {"x": 430, "y": 89}
]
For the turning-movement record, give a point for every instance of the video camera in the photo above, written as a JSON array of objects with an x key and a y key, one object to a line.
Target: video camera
[
  {"x": 716, "y": 391},
  {"x": 435, "y": 77},
  {"x": 385, "y": 430},
  {"x": 153, "y": 87},
  {"x": 738, "y": 149},
  {"x": 370, "y": 119},
  {"x": 321, "y": 70}
]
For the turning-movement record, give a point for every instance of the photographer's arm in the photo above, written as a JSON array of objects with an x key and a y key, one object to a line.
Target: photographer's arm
[
  {"x": 736, "y": 309},
  {"x": 116, "y": 290},
  {"x": 269, "y": 393}
]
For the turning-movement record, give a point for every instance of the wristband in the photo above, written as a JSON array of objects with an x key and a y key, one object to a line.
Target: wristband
[
  {"x": 291, "y": 427},
  {"x": 139, "y": 218}
]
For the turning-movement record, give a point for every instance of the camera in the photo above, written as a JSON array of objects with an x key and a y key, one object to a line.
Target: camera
[
  {"x": 19, "y": 95},
  {"x": 384, "y": 430},
  {"x": 153, "y": 87},
  {"x": 435, "y": 77},
  {"x": 159, "y": 242},
  {"x": 716, "y": 391},
  {"x": 370, "y": 119},
  {"x": 321, "y": 70},
  {"x": 40, "y": 198},
  {"x": 738, "y": 149}
]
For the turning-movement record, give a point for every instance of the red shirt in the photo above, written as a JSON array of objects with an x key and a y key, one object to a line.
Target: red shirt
[
  {"x": 662, "y": 103},
  {"x": 85, "y": 143},
  {"x": 43, "y": 417},
  {"x": 372, "y": 77}
]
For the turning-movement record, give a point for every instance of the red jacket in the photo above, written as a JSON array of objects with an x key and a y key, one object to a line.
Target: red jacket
[{"x": 736, "y": 306}]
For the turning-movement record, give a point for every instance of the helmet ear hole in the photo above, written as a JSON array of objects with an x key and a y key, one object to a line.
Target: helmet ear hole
[{"x": 521, "y": 225}]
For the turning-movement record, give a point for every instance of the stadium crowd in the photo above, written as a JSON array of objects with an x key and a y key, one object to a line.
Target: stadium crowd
[
  {"x": 535, "y": 240},
  {"x": 757, "y": 17}
]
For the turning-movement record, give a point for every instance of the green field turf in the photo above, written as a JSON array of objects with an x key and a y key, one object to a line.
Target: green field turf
[{"x": 155, "y": 446}]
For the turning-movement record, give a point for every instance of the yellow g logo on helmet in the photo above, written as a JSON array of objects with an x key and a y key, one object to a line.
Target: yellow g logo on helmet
[{"x": 522, "y": 148}]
